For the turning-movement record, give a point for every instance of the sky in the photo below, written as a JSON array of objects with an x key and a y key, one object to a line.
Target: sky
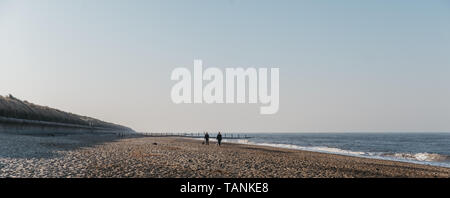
[{"x": 345, "y": 66}]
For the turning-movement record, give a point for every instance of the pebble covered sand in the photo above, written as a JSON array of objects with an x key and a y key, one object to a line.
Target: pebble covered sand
[{"x": 94, "y": 156}]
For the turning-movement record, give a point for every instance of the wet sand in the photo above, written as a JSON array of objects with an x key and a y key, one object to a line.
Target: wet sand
[{"x": 99, "y": 156}]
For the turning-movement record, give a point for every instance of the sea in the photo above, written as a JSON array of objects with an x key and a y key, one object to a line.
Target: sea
[{"x": 421, "y": 148}]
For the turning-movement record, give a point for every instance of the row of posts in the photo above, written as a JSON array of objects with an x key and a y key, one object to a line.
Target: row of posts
[{"x": 195, "y": 135}]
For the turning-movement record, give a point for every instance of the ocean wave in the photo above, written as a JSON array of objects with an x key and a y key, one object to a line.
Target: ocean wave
[
  {"x": 419, "y": 157},
  {"x": 296, "y": 147},
  {"x": 427, "y": 157}
]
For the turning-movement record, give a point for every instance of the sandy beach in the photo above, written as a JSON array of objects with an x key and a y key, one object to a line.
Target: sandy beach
[{"x": 100, "y": 156}]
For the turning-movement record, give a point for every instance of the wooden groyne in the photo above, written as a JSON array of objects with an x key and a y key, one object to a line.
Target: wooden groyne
[{"x": 196, "y": 135}]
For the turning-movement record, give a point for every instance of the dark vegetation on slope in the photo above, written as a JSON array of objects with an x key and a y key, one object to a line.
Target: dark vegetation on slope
[{"x": 12, "y": 107}]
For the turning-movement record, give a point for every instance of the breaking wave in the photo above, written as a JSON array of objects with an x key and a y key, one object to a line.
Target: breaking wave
[
  {"x": 421, "y": 158},
  {"x": 427, "y": 157}
]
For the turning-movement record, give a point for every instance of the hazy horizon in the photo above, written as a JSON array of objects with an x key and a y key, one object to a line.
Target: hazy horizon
[{"x": 345, "y": 66}]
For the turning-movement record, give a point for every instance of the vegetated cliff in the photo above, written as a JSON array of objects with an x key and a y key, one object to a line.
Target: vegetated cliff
[{"x": 11, "y": 107}]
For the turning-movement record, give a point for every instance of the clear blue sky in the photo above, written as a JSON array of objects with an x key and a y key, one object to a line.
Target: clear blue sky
[{"x": 344, "y": 65}]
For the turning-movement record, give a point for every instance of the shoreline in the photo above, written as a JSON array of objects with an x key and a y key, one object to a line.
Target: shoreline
[
  {"x": 109, "y": 156},
  {"x": 404, "y": 160},
  {"x": 332, "y": 153}
]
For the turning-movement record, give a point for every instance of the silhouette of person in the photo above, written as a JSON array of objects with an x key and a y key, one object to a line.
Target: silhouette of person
[
  {"x": 219, "y": 139},
  {"x": 206, "y": 138}
]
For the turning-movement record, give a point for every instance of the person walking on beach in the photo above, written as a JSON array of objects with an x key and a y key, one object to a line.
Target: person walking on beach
[
  {"x": 219, "y": 139},
  {"x": 206, "y": 138}
]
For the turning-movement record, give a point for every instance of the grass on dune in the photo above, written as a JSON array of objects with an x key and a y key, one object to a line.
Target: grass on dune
[{"x": 12, "y": 107}]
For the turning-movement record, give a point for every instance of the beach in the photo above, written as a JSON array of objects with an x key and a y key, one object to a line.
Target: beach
[{"x": 111, "y": 156}]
